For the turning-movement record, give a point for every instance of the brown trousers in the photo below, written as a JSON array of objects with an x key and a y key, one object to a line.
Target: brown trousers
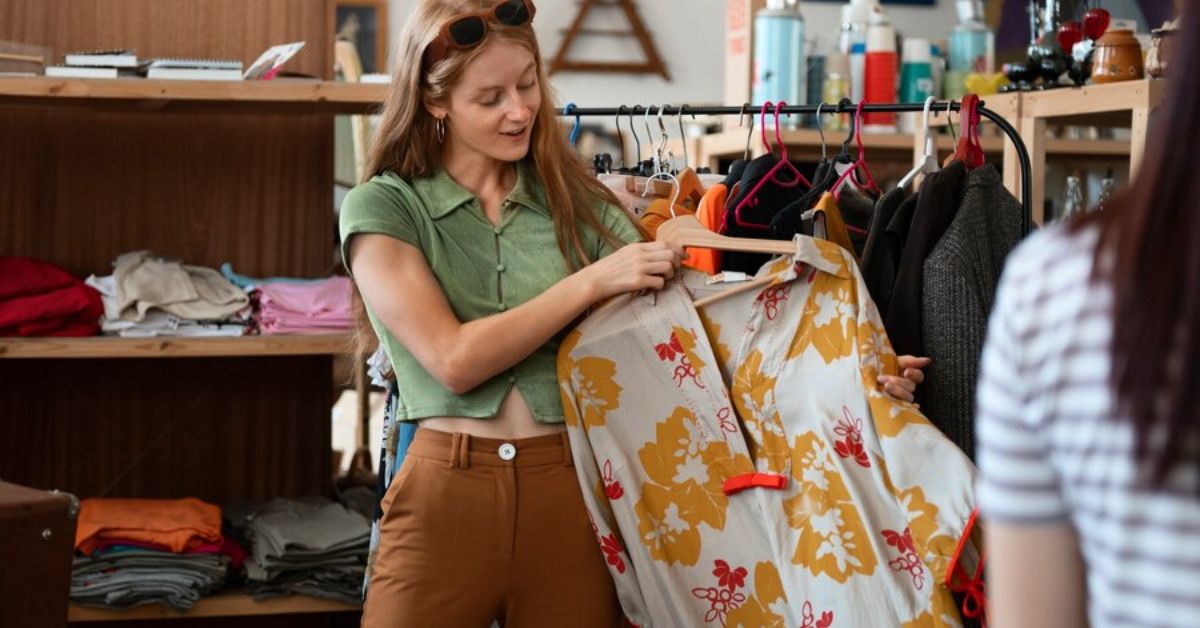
[{"x": 468, "y": 537}]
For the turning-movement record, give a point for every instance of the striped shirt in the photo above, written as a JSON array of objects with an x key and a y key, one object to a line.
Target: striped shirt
[{"x": 1051, "y": 451}]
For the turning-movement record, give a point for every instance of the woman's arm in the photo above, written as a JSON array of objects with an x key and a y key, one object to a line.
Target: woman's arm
[
  {"x": 1035, "y": 576},
  {"x": 396, "y": 282}
]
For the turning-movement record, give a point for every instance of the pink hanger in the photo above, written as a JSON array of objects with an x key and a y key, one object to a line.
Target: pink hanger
[
  {"x": 751, "y": 199},
  {"x": 861, "y": 163}
]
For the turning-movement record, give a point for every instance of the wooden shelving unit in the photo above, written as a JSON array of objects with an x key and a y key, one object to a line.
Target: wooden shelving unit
[
  {"x": 167, "y": 347},
  {"x": 275, "y": 96},
  {"x": 221, "y": 605},
  {"x": 207, "y": 172}
]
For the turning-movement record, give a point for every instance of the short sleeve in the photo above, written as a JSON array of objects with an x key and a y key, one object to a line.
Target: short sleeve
[
  {"x": 1017, "y": 482},
  {"x": 620, "y": 223},
  {"x": 377, "y": 206}
]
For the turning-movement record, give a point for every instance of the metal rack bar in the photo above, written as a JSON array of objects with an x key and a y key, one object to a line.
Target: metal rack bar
[{"x": 840, "y": 108}]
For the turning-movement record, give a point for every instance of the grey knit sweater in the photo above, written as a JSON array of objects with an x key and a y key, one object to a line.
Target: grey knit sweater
[{"x": 958, "y": 287}]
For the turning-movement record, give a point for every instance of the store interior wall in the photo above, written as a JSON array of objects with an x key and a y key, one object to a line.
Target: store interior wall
[{"x": 690, "y": 36}]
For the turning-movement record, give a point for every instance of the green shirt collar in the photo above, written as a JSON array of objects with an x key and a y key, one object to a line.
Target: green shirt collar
[{"x": 444, "y": 195}]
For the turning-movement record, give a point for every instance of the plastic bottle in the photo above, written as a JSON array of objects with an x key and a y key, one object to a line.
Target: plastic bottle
[
  {"x": 837, "y": 87},
  {"x": 916, "y": 76},
  {"x": 853, "y": 42},
  {"x": 880, "y": 82},
  {"x": 972, "y": 48},
  {"x": 779, "y": 64},
  {"x": 939, "y": 70}
]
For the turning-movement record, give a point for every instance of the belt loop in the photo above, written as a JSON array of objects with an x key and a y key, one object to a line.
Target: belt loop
[
  {"x": 454, "y": 438},
  {"x": 464, "y": 451},
  {"x": 566, "y": 444}
]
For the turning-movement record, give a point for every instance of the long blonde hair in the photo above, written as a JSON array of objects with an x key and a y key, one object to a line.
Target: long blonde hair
[{"x": 406, "y": 140}]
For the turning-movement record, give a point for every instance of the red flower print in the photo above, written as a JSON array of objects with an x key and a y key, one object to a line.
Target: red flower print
[
  {"x": 720, "y": 601},
  {"x": 668, "y": 350},
  {"x": 850, "y": 429},
  {"x": 808, "y": 620},
  {"x": 909, "y": 560},
  {"x": 729, "y": 578},
  {"x": 612, "y": 488},
  {"x": 612, "y": 552},
  {"x": 770, "y": 299},
  {"x": 726, "y": 424}
]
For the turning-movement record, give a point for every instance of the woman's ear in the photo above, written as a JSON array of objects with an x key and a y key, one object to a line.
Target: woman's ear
[{"x": 434, "y": 109}]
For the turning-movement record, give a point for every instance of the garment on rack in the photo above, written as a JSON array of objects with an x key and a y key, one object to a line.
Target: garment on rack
[
  {"x": 145, "y": 281},
  {"x": 633, "y": 202},
  {"x": 886, "y": 235},
  {"x": 742, "y": 465},
  {"x": 828, "y": 223},
  {"x": 38, "y": 298},
  {"x": 759, "y": 210},
  {"x": 937, "y": 202},
  {"x": 710, "y": 213},
  {"x": 959, "y": 286}
]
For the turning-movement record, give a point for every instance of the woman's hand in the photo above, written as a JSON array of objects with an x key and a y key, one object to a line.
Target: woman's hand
[
  {"x": 903, "y": 387},
  {"x": 633, "y": 267}
]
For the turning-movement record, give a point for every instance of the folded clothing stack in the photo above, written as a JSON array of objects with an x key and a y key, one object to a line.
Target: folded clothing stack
[
  {"x": 38, "y": 298},
  {"x": 311, "y": 546},
  {"x": 149, "y": 295},
  {"x": 318, "y": 307},
  {"x": 140, "y": 551}
]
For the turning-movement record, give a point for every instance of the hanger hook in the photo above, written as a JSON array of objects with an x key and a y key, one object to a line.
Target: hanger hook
[
  {"x": 674, "y": 185},
  {"x": 821, "y": 130},
  {"x": 637, "y": 160},
  {"x": 655, "y": 156},
  {"x": 664, "y": 139},
  {"x": 620, "y": 137},
  {"x": 842, "y": 104},
  {"x": 928, "y": 131},
  {"x": 749, "y": 131},
  {"x": 950, "y": 121},
  {"x": 762, "y": 126},
  {"x": 578, "y": 122},
  {"x": 683, "y": 135},
  {"x": 779, "y": 106}
]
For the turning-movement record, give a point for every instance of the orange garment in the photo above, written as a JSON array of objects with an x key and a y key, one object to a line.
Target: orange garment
[
  {"x": 178, "y": 524},
  {"x": 710, "y": 212},
  {"x": 659, "y": 212},
  {"x": 835, "y": 226}
]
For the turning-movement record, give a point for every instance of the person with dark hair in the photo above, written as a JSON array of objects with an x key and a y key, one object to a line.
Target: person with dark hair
[{"x": 1089, "y": 422}]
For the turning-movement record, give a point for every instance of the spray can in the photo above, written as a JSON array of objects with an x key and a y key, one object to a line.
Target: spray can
[
  {"x": 779, "y": 64},
  {"x": 972, "y": 48},
  {"x": 880, "y": 83}
]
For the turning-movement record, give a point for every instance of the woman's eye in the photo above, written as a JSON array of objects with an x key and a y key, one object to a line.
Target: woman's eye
[{"x": 527, "y": 85}]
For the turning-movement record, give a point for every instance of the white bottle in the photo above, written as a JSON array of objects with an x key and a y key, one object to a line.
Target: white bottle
[{"x": 852, "y": 42}]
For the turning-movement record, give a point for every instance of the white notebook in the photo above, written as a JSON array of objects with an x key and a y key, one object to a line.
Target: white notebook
[
  {"x": 121, "y": 58},
  {"x": 69, "y": 71},
  {"x": 205, "y": 64},
  {"x": 195, "y": 74}
]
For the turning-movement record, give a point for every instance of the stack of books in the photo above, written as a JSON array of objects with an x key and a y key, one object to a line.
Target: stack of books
[
  {"x": 97, "y": 64},
  {"x": 125, "y": 63}
]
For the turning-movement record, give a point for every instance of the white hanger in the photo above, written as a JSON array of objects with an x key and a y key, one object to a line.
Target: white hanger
[
  {"x": 674, "y": 186},
  {"x": 928, "y": 162}
]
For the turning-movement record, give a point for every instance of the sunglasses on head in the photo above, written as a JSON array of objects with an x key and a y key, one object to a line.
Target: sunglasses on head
[{"x": 470, "y": 29}]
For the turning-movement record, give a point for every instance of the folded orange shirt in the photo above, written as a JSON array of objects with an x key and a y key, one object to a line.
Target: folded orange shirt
[{"x": 178, "y": 524}]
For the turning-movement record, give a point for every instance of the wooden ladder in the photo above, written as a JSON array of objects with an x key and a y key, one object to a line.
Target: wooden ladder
[{"x": 653, "y": 64}]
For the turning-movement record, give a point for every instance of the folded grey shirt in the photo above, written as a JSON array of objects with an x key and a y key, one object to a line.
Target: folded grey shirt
[{"x": 144, "y": 281}]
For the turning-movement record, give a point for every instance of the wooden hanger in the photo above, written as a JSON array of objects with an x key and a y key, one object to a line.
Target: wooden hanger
[{"x": 686, "y": 231}]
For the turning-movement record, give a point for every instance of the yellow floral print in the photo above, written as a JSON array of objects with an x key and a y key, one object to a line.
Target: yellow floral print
[
  {"x": 754, "y": 397},
  {"x": 663, "y": 529},
  {"x": 592, "y": 381},
  {"x": 877, "y": 358},
  {"x": 765, "y": 608},
  {"x": 828, "y": 323},
  {"x": 713, "y": 330},
  {"x": 833, "y": 539}
]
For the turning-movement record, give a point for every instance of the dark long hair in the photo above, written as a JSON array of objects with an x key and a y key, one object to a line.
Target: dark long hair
[{"x": 1150, "y": 254}]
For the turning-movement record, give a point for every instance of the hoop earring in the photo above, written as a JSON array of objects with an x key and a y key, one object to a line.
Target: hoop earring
[{"x": 440, "y": 126}]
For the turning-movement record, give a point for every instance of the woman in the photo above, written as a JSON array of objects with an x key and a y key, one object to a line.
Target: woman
[
  {"x": 1088, "y": 408},
  {"x": 480, "y": 240}
]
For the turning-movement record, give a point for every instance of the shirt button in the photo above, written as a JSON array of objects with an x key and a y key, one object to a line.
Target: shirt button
[
  {"x": 499, "y": 268},
  {"x": 501, "y": 307},
  {"x": 512, "y": 379},
  {"x": 507, "y": 451},
  {"x": 497, "y": 230}
]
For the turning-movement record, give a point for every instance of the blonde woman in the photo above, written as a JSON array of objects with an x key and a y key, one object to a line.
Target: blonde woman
[{"x": 478, "y": 241}]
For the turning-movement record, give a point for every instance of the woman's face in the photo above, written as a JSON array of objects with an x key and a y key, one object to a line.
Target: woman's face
[{"x": 492, "y": 109}]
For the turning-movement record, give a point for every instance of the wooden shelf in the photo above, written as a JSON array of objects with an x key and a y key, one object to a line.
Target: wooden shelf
[
  {"x": 136, "y": 94},
  {"x": 221, "y": 605},
  {"x": 108, "y": 347}
]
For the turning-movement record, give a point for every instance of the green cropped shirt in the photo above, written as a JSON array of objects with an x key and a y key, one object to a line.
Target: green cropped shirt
[{"x": 483, "y": 269}]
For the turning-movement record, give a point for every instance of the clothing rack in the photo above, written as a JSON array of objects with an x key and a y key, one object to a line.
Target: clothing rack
[{"x": 840, "y": 108}]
